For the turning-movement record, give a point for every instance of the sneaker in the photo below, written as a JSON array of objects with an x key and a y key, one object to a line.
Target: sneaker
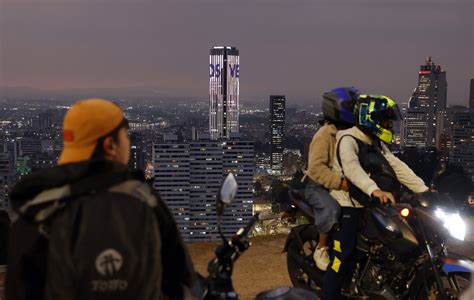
[{"x": 321, "y": 257}]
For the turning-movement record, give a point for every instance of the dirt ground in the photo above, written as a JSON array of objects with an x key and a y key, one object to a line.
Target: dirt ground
[{"x": 261, "y": 267}]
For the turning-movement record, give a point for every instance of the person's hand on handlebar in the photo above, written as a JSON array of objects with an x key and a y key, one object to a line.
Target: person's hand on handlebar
[{"x": 384, "y": 197}]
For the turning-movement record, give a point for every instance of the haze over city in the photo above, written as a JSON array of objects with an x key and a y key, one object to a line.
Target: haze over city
[{"x": 300, "y": 49}]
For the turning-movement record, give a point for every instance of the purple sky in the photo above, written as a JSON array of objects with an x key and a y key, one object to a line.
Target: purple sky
[{"x": 292, "y": 47}]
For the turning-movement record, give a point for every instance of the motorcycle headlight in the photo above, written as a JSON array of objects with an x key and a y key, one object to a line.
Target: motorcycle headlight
[{"x": 453, "y": 223}]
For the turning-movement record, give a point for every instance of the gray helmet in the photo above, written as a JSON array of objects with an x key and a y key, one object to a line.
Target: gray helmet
[{"x": 338, "y": 105}]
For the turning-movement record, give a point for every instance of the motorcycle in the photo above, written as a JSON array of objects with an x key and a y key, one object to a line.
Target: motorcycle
[
  {"x": 218, "y": 284},
  {"x": 401, "y": 251}
]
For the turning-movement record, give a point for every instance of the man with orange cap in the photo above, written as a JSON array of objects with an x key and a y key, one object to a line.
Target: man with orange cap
[{"x": 90, "y": 229}]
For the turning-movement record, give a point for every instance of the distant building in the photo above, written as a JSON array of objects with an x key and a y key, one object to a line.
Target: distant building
[
  {"x": 471, "y": 95},
  {"x": 445, "y": 130},
  {"x": 189, "y": 175},
  {"x": 8, "y": 176},
  {"x": 29, "y": 146},
  {"x": 239, "y": 160},
  {"x": 205, "y": 180},
  {"x": 429, "y": 97},
  {"x": 277, "y": 130},
  {"x": 171, "y": 178},
  {"x": 415, "y": 125},
  {"x": 44, "y": 121},
  {"x": 224, "y": 77},
  {"x": 462, "y": 132},
  {"x": 137, "y": 152},
  {"x": 43, "y": 160}
]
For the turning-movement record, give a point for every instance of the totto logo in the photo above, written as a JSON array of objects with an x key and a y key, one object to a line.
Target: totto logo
[{"x": 108, "y": 262}]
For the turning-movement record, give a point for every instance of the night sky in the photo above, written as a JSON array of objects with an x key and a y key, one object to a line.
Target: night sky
[{"x": 292, "y": 47}]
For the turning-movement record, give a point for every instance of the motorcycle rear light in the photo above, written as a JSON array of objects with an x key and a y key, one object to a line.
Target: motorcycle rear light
[{"x": 405, "y": 212}]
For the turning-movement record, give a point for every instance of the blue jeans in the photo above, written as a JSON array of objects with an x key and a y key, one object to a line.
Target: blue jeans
[{"x": 325, "y": 207}]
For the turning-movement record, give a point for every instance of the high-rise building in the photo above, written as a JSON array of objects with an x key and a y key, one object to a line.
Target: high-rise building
[
  {"x": 277, "y": 130},
  {"x": 205, "y": 181},
  {"x": 239, "y": 160},
  {"x": 189, "y": 175},
  {"x": 415, "y": 123},
  {"x": 429, "y": 97},
  {"x": 171, "y": 173},
  {"x": 471, "y": 95},
  {"x": 223, "y": 92},
  {"x": 462, "y": 133},
  {"x": 137, "y": 149},
  {"x": 29, "y": 146},
  {"x": 44, "y": 121},
  {"x": 445, "y": 130},
  {"x": 8, "y": 176}
]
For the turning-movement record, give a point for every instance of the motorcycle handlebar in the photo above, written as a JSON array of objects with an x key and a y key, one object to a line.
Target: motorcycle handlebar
[{"x": 243, "y": 232}]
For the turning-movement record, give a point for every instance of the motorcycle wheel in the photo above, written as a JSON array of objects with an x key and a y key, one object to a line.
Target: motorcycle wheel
[{"x": 298, "y": 276}]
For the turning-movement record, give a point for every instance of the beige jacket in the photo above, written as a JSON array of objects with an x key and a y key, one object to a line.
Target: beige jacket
[
  {"x": 355, "y": 174},
  {"x": 321, "y": 157}
]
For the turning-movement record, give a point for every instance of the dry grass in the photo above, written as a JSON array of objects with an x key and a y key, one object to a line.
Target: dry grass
[{"x": 261, "y": 267}]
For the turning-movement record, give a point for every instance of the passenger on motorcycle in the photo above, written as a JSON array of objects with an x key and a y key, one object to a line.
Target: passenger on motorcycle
[
  {"x": 338, "y": 113},
  {"x": 373, "y": 173}
]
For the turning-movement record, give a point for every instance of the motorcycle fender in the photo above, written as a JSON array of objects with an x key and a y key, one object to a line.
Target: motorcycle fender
[
  {"x": 295, "y": 235},
  {"x": 452, "y": 265}
]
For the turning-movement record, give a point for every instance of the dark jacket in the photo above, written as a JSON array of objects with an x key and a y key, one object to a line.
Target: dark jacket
[{"x": 105, "y": 232}]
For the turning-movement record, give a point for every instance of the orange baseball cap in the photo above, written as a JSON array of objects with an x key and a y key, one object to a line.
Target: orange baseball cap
[{"x": 84, "y": 124}]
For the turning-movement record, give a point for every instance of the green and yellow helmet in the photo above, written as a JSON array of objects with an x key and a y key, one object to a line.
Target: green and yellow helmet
[{"x": 373, "y": 111}]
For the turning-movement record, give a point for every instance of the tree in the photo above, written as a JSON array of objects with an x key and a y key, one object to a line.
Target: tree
[{"x": 258, "y": 188}]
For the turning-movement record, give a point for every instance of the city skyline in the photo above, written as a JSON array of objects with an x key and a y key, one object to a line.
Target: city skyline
[{"x": 160, "y": 48}]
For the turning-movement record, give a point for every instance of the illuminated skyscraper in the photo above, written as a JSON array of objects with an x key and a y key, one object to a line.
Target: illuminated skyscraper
[
  {"x": 223, "y": 92},
  {"x": 277, "y": 129},
  {"x": 428, "y": 98}
]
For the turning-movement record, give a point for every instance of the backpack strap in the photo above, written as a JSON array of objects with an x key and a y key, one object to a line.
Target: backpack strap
[
  {"x": 353, "y": 189},
  {"x": 48, "y": 202},
  {"x": 337, "y": 150},
  {"x": 137, "y": 189}
]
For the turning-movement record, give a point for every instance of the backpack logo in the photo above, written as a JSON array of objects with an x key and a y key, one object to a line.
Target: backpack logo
[{"x": 108, "y": 262}]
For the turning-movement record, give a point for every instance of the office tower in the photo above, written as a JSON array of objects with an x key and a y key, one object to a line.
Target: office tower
[
  {"x": 205, "y": 182},
  {"x": 415, "y": 123},
  {"x": 239, "y": 160},
  {"x": 462, "y": 134},
  {"x": 29, "y": 146},
  {"x": 44, "y": 121},
  {"x": 445, "y": 130},
  {"x": 171, "y": 173},
  {"x": 137, "y": 149},
  {"x": 471, "y": 95},
  {"x": 8, "y": 176},
  {"x": 277, "y": 130},
  {"x": 223, "y": 92},
  {"x": 429, "y": 97},
  {"x": 200, "y": 167}
]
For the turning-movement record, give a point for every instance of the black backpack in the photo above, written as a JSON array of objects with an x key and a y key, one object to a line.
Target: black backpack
[
  {"x": 88, "y": 246},
  {"x": 376, "y": 165}
]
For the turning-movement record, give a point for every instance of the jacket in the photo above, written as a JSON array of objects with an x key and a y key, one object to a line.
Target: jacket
[
  {"x": 321, "y": 158},
  {"x": 353, "y": 171},
  {"x": 108, "y": 235}
]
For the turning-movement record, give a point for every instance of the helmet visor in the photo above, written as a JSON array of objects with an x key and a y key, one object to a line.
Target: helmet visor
[{"x": 390, "y": 113}]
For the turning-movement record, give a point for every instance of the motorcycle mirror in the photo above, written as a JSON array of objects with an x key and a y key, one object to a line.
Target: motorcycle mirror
[
  {"x": 226, "y": 194},
  {"x": 228, "y": 189}
]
